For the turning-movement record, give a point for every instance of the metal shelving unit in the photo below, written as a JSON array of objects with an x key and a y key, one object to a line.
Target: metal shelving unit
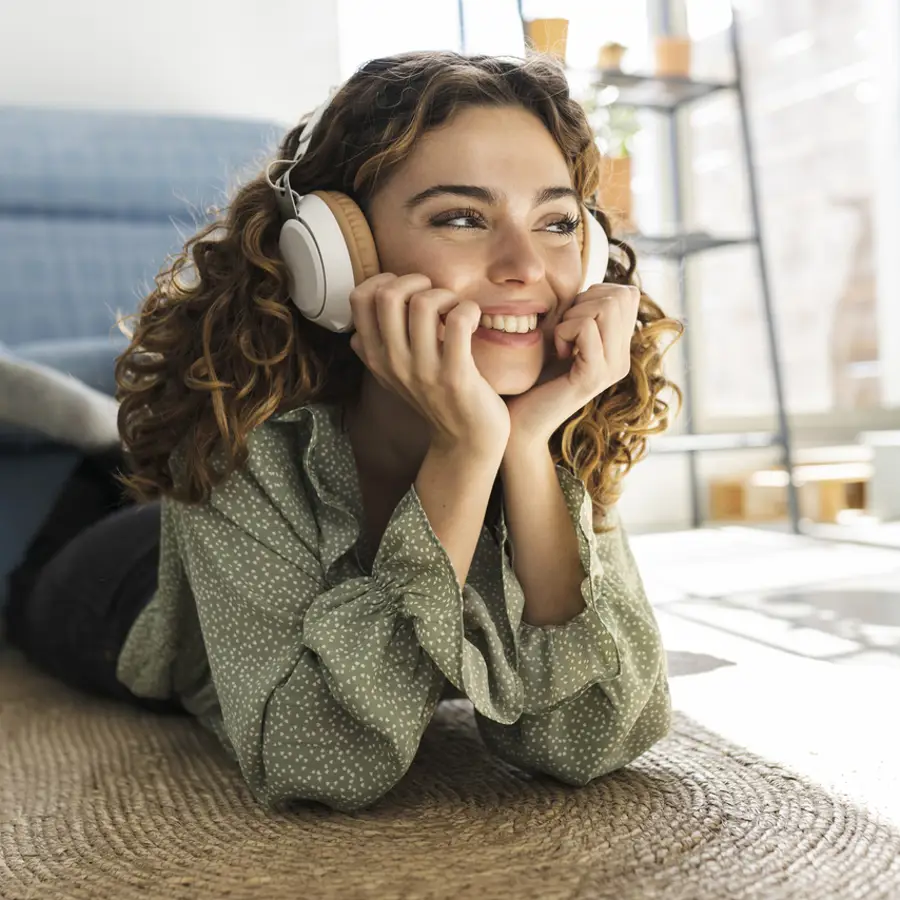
[{"x": 668, "y": 96}]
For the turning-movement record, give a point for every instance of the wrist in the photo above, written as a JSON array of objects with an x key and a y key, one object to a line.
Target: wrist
[
  {"x": 486, "y": 447},
  {"x": 467, "y": 454},
  {"x": 526, "y": 447}
]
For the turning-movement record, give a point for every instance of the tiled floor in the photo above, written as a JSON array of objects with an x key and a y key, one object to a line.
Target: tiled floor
[
  {"x": 742, "y": 594},
  {"x": 787, "y": 646}
]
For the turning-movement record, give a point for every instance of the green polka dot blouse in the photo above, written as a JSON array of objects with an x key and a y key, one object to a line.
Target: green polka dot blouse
[{"x": 318, "y": 663}]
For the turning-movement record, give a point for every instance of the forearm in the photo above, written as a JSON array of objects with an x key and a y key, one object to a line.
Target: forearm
[
  {"x": 546, "y": 560},
  {"x": 454, "y": 486}
]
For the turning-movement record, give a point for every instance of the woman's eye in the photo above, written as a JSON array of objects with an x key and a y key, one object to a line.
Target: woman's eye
[
  {"x": 566, "y": 225},
  {"x": 471, "y": 218},
  {"x": 460, "y": 219}
]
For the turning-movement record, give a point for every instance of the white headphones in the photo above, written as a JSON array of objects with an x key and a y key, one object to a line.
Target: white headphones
[{"x": 328, "y": 246}]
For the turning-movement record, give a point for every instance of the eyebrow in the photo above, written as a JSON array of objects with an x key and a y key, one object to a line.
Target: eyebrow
[{"x": 486, "y": 195}]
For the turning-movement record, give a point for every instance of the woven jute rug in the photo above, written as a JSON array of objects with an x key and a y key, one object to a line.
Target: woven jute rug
[{"x": 101, "y": 801}]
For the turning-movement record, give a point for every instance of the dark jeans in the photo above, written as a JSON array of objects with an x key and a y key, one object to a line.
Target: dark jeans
[{"x": 84, "y": 579}]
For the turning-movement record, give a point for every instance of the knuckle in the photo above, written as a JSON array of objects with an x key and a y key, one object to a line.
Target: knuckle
[
  {"x": 388, "y": 294},
  {"x": 464, "y": 311},
  {"x": 421, "y": 302},
  {"x": 370, "y": 286}
]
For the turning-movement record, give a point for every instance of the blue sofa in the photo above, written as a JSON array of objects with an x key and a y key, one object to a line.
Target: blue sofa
[{"x": 91, "y": 204}]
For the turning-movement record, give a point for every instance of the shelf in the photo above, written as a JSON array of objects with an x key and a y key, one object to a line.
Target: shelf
[
  {"x": 691, "y": 443},
  {"x": 653, "y": 91},
  {"x": 678, "y": 246}
]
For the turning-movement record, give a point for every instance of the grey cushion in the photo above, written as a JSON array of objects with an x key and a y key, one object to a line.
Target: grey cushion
[{"x": 90, "y": 360}]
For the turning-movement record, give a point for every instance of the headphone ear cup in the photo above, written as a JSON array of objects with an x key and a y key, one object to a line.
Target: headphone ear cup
[
  {"x": 329, "y": 249},
  {"x": 356, "y": 232},
  {"x": 594, "y": 250}
]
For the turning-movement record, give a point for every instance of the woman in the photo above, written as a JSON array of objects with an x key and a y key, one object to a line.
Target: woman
[{"x": 350, "y": 528}]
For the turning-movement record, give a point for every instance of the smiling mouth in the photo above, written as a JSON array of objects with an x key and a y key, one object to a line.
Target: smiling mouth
[{"x": 512, "y": 324}]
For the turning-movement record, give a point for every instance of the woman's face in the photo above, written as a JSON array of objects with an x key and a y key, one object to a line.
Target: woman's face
[{"x": 485, "y": 207}]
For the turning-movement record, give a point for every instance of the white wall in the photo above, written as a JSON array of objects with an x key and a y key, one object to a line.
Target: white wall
[
  {"x": 369, "y": 30},
  {"x": 267, "y": 59}
]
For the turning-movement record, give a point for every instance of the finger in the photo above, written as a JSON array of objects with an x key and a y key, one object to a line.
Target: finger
[
  {"x": 589, "y": 343},
  {"x": 591, "y": 360},
  {"x": 364, "y": 293},
  {"x": 608, "y": 289},
  {"x": 565, "y": 333},
  {"x": 616, "y": 329},
  {"x": 616, "y": 324},
  {"x": 460, "y": 324},
  {"x": 426, "y": 330},
  {"x": 591, "y": 301},
  {"x": 615, "y": 332},
  {"x": 367, "y": 338},
  {"x": 392, "y": 315}
]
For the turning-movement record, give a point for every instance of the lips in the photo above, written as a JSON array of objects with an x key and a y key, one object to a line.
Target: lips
[
  {"x": 510, "y": 338},
  {"x": 516, "y": 308}
]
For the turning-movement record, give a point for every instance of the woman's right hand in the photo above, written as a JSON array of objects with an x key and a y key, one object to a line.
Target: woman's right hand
[{"x": 417, "y": 341}]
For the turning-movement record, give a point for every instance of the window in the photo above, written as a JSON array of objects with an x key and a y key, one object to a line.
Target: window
[{"x": 821, "y": 82}]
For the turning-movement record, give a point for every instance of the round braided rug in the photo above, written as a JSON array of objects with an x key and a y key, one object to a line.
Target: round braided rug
[{"x": 98, "y": 801}]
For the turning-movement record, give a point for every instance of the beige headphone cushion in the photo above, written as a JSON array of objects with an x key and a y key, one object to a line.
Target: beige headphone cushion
[{"x": 356, "y": 231}]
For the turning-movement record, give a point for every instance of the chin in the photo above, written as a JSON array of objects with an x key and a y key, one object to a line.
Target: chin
[
  {"x": 513, "y": 390},
  {"x": 510, "y": 385},
  {"x": 508, "y": 378}
]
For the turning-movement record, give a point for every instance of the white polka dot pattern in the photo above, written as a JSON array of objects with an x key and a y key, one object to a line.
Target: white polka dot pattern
[{"x": 320, "y": 673}]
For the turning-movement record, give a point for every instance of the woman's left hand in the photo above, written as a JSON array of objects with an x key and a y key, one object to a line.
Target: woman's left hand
[{"x": 593, "y": 346}]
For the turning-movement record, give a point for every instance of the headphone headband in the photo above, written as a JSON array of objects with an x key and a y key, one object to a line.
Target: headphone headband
[{"x": 287, "y": 198}]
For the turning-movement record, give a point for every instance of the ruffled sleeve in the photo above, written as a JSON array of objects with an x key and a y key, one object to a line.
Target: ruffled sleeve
[
  {"x": 595, "y": 688},
  {"x": 413, "y": 581},
  {"x": 326, "y": 683}
]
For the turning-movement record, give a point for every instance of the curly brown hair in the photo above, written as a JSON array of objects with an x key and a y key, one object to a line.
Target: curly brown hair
[{"x": 214, "y": 355}]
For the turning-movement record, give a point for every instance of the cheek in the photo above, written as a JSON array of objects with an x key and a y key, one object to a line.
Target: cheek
[
  {"x": 394, "y": 254},
  {"x": 571, "y": 276},
  {"x": 448, "y": 265},
  {"x": 567, "y": 275}
]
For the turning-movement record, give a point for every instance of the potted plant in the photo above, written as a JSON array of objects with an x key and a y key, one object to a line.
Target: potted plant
[
  {"x": 548, "y": 36},
  {"x": 615, "y": 127},
  {"x": 610, "y": 56}
]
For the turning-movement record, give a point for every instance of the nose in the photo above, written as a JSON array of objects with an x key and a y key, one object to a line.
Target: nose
[{"x": 516, "y": 257}]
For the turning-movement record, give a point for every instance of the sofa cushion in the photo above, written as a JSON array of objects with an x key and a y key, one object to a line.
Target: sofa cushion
[
  {"x": 92, "y": 204},
  {"x": 70, "y": 278},
  {"x": 87, "y": 163}
]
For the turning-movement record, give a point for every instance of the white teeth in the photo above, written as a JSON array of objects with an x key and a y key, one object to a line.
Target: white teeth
[{"x": 511, "y": 324}]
